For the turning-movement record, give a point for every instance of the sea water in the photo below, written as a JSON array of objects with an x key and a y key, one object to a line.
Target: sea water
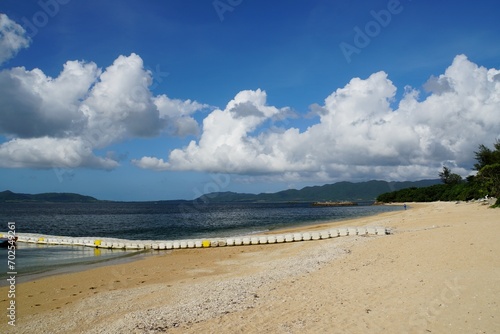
[{"x": 163, "y": 220}]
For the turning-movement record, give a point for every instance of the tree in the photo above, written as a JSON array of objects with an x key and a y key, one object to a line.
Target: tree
[
  {"x": 488, "y": 167},
  {"x": 486, "y": 156},
  {"x": 486, "y": 182},
  {"x": 490, "y": 177},
  {"x": 447, "y": 177}
]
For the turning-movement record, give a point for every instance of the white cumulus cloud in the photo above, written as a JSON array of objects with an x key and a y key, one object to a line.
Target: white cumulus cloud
[
  {"x": 60, "y": 122},
  {"x": 46, "y": 152},
  {"x": 178, "y": 114},
  {"x": 362, "y": 132},
  {"x": 12, "y": 38}
]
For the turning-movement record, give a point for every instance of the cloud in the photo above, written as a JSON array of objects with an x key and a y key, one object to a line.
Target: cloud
[
  {"x": 438, "y": 85},
  {"x": 12, "y": 38},
  {"x": 61, "y": 121},
  {"x": 35, "y": 105},
  {"x": 48, "y": 152},
  {"x": 359, "y": 135},
  {"x": 226, "y": 141},
  {"x": 151, "y": 163},
  {"x": 120, "y": 104},
  {"x": 178, "y": 113}
]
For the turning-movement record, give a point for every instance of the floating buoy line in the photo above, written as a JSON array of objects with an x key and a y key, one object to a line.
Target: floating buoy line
[{"x": 113, "y": 243}]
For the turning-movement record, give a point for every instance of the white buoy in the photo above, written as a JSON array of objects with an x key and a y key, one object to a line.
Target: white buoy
[
  {"x": 315, "y": 236},
  {"x": 352, "y": 231},
  {"x": 263, "y": 239},
  {"x": 297, "y": 237},
  {"x": 343, "y": 231},
  {"x": 324, "y": 234},
  {"x": 176, "y": 245},
  {"x": 230, "y": 242},
  {"x": 161, "y": 245},
  {"x": 306, "y": 236},
  {"x": 238, "y": 241},
  {"x": 22, "y": 238},
  {"x": 271, "y": 239},
  {"x": 169, "y": 245},
  {"x": 246, "y": 241},
  {"x": 288, "y": 237},
  {"x": 254, "y": 240},
  {"x": 190, "y": 244},
  {"x": 214, "y": 243},
  {"x": 66, "y": 241},
  {"x": 381, "y": 231},
  {"x": 334, "y": 233},
  {"x": 361, "y": 230},
  {"x": 183, "y": 244},
  {"x": 280, "y": 238},
  {"x": 371, "y": 230}
]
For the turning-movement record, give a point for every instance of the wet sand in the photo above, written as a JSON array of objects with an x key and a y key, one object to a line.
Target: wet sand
[{"x": 439, "y": 272}]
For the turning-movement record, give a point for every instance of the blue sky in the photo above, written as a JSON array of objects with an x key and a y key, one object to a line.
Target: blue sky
[{"x": 149, "y": 100}]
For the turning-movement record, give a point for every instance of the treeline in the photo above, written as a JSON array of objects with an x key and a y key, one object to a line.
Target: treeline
[{"x": 453, "y": 188}]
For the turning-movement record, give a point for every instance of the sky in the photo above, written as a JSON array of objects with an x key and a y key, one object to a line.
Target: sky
[{"x": 158, "y": 100}]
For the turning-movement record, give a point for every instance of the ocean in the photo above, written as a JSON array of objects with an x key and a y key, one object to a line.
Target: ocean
[{"x": 164, "y": 220}]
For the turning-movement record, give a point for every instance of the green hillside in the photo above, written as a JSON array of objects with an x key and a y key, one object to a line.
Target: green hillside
[
  {"x": 341, "y": 191},
  {"x": 11, "y": 197}
]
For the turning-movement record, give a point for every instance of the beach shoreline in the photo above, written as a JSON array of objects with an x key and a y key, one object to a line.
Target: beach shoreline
[
  {"x": 88, "y": 263},
  {"x": 417, "y": 279}
]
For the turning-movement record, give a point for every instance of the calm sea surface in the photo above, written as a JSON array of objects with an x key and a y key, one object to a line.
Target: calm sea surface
[{"x": 150, "y": 221}]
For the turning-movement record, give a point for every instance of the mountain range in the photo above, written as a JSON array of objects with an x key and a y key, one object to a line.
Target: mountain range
[
  {"x": 340, "y": 191},
  {"x": 9, "y": 196}
]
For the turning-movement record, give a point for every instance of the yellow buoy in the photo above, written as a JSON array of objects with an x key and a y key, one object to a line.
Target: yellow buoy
[
  {"x": 97, "y": 242},
  {"x": 205, "y": 243}
]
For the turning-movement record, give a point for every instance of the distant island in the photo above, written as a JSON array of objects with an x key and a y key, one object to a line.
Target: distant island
[{"x": 11, "y": 197}]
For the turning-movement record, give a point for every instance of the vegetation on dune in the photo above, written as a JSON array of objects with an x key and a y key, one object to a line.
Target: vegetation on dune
[{"x": 453, "y": 187}]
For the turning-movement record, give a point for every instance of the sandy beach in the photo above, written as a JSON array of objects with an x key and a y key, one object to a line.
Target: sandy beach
[{"x": 438, "y": 272}]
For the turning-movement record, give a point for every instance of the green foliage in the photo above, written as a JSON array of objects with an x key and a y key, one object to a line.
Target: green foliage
[
  {"x": 447, "y": 177},
  {"x": 486, "y": 182},
  {"x": 489, "y": 176},
  {"x": 486, "y": 156}
]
